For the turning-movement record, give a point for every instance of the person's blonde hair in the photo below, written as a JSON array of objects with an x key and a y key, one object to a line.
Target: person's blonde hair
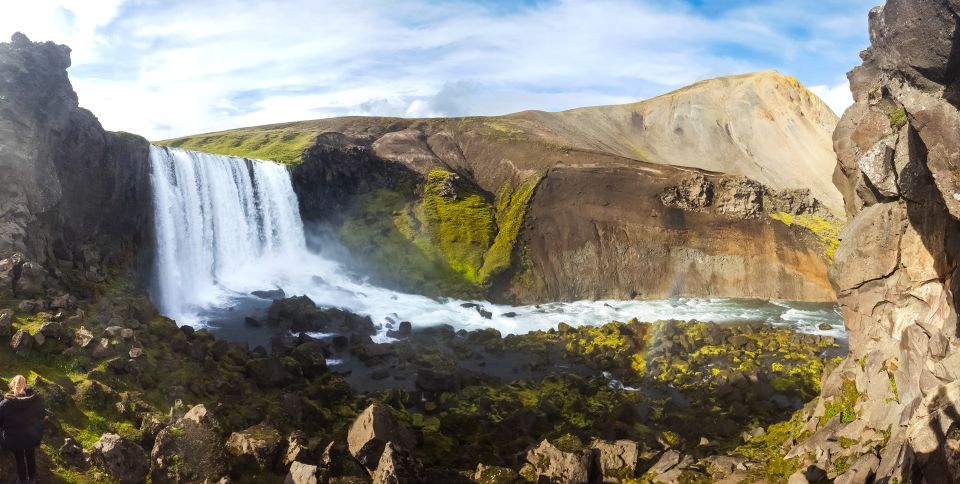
[{"x": 18, "y": 385}]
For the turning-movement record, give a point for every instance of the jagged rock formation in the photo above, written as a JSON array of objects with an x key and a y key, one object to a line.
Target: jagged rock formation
[
  {"x": 896, "y": 268},
  {"x": 540, "y": 206},
  {"x": 74, "y": 198}
]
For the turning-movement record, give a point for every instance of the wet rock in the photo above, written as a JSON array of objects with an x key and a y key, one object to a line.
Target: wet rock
[
  {"x": 568, "y": 465},
  {"x": 616, "y": 459},
  {"x": 253, "y": 323},
  {"x": 21, "y": 342},
  {"x": 298, "y": 313},
  {"x": 270, "y": 294},
  {"x": 122, "y": 460},
  {"x": 372, "y": 430},
  {"x": 255, "y": 447}
]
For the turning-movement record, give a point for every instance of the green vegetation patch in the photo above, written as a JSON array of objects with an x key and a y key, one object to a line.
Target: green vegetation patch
[
  {"x": 898, "y": 118},
  {"x": 283, "y": 145},
  {"x": 827, "y": 230},
  {"x": 383, "y": 230},
  {"x": 445, "y": 239},
  {"x": 512, "y": 206},
  {"x": 768, "y": 448},
  {"x": 843, "y": 404},
  {"x": 458, "y": 222}
]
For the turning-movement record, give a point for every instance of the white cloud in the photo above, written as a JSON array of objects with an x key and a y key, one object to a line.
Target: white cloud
[
  {"x": 178, "y": 67},
  {"x": 838, "y": 97}
]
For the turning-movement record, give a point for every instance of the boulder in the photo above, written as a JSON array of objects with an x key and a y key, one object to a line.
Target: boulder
[
  {"x": 82, "y": 337},
  {"x": 123, "y": 460},
  {"x": 53, "y": 330},
  {"x": 103, "y": 349},
  {"x": 495, "y": 475},
  {"x": 337, "y": 461},
  {"x": 397, "y": 466},
  {"x": 270, "y": 294},
  {"x": 667, "y": 461},
  {"x": 570, "y": 465},
  {"x": 297, "y": 448},
  {"x": 64, "y": 301},
  {"x": 21, "y": 342},
  {"x": 372, "y": 430},
  {"x": 72, "y": 454},
  {"x": 190, "y": 450},
  {"x": 255, "y": 447},
  {"x": 862, "y": 470},
  {"x": 6, "y": 322},
  {"x": 301, "y": 473},
  {"x": 616, "y": 460}
]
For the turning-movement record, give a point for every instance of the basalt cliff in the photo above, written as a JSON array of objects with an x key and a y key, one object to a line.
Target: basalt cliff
[
  {"x": 719, "y": 189},
  {"x": 74, "y": 199},
  {"x": 890, "y": 411}
]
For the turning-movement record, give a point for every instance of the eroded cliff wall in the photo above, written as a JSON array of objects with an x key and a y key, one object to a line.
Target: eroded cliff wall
[
  {"x": 892, "y": 407},
  {"x": 73, "y": 198}
]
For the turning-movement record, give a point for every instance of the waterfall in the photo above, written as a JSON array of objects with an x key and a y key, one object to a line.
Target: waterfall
[
  {"x": 226, "y": 227},
  {"x": 213, "y": 214}
]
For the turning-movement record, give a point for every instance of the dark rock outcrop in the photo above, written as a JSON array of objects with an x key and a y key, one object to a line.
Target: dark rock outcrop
[
  {"x": 124, "y": 461},
  {"x": 74, "y": 198},
  {"x": 896, "y": 268},
  {"x": 189, "y": 450},
  {"x": 372, "y": 431}
]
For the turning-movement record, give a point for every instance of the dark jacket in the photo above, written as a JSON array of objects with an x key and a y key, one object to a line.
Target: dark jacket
[{"x": 21, "y": 421}]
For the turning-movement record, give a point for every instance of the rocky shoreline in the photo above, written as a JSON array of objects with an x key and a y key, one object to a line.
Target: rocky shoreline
[{"x": 131, "y": 394}]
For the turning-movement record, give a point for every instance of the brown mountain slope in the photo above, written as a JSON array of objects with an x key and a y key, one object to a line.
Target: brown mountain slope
[{"x": 536, "y": 206}]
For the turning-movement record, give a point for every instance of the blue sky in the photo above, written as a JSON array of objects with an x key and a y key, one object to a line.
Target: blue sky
[{"x": 164, "y": 68}]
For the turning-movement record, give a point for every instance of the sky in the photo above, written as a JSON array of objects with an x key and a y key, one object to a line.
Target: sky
[{"x": 167, "y": 68}]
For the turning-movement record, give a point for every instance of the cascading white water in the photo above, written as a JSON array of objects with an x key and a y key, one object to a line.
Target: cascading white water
[
  {"x": 214, "y": 214},
  {"x": 228, "y": 226}
]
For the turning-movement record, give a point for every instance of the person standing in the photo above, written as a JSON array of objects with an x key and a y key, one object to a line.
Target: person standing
[{"x": 21, "y": 427}]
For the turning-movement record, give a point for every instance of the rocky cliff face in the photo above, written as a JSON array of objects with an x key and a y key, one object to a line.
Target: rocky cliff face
[
  {"x": 73, "y": 198},
  {"x": 588, "y": 203},
  {"x": 896, "y": 269}
]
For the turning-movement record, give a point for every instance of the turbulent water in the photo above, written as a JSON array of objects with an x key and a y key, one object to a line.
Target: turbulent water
[{"x": 228, "y": 226}]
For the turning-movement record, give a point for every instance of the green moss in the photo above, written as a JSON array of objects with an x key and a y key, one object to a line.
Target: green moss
[
  {"x": 893, "y": 389},
  {"x": 502, "y": 130},
  {"x": 767, "y": 449},
  {"x": 568, "y": 443},
  {"x": 898, "y": 118},
  {"x": 283, "y": 145},
  {"x": 511, "y": 210},
  {"x": 827, "y": 230},
  {"x": 461, "y": 226},
  {"x": 382, "y": 230},
  {"x": 843, "y": 404},
  {"x": 841, "y": 464}
]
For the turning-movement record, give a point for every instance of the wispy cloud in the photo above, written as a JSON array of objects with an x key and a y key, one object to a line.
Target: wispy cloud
[{"x": 178, "y": 67}]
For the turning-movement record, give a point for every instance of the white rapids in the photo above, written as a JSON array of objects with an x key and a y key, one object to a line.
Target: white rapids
[{"x": 228, "y": 226}]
